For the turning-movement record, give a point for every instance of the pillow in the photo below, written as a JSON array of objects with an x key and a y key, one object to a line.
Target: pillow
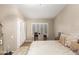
[
  {"x": 66, "y": 39},
  {"x": 74, "y": 46},
  {"x": 69, "y": 39}
]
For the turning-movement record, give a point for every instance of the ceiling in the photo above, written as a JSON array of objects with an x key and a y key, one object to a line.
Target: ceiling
[{"x": 40, "y": 10}]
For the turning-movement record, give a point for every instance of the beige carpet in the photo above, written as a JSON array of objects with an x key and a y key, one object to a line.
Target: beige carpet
[{"x": 23, "y": 50}]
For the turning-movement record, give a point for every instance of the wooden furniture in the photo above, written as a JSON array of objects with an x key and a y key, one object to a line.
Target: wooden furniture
[
  {"x": 44, "y": 37},
  {"x": 35, "y": 36}
]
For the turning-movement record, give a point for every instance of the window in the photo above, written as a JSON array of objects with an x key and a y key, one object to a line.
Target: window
[{"x": 41, "y": 28}]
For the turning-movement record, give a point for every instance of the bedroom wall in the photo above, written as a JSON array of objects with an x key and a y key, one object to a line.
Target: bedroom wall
[
  {"x": 14, "y": 36},
  {"x": 8, "y": 17},
  {"x": 50, "y": 30},
  {"x": 68, "y": 20},
  {"x": 10, "y": 35}
]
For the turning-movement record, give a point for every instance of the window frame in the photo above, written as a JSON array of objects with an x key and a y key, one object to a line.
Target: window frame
[{"x": 39, "y": 27}]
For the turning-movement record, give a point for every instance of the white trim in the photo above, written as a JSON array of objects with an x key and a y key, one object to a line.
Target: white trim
[{"x": 18, "y": 32}]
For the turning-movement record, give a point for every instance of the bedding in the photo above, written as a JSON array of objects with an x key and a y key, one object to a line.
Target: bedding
[
  {"x": 74, "y": 46},
  {"x": 66, "y": 39},
  {"x": 48, "y": 48},
  {"x": 62, "y": 39}
]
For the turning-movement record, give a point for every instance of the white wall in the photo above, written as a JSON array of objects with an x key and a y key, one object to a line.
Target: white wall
[
  {"x": 68, "y": 20},
  {"x": 9, "y": 18},
  {"x": 14, "y": 36},
  {"x": 10, "y": 34}
]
